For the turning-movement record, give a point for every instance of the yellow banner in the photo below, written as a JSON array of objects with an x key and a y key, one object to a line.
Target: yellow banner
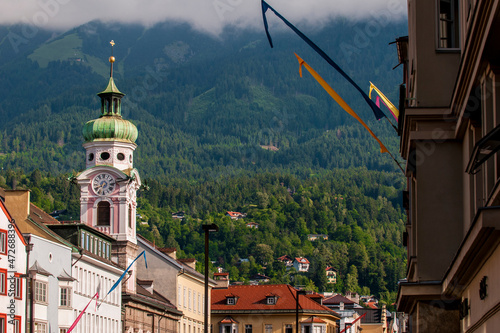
[
  {"x": 338, "y": 99},
  {"x": 387, "y": 102}
]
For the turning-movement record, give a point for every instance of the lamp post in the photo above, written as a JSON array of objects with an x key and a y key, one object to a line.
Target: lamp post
[
  {"x": 299, "y": 292},
  {"x": 152, "y": 315},
  {"x": 207, "y": 228}
]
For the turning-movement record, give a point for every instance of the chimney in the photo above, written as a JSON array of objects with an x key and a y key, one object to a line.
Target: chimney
[
  {"x": 169, "y": 251},
  {"x": 222, "y": 280},
  {"x": 18, "y": 204},
  {"x": 190, "y": 262}
]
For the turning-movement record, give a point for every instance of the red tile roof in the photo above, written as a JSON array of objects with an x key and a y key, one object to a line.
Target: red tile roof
[
  {"x": 254, "y": 298},
  {"x": 372, "y": 305},
  {"x": 302, "y": 260},
  {"x": 337, "y": 299},
  {"x": 234, "y": 214}
]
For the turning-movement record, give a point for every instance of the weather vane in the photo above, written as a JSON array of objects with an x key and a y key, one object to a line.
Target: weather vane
[{"x": 111, "y": 59}]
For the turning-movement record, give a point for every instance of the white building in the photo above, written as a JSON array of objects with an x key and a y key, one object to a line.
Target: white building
[
  {"x": 92, "y": 270},
  {"x": 301, "y": 264}
]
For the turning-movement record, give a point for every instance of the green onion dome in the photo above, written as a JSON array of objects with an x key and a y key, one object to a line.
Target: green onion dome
[{"x": 110, "y": 128}]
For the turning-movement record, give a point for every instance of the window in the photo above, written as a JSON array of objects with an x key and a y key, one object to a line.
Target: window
[
  {"x": 65, "y": 297},
  {"x": 130, "y": 217},
  {"x": 3, "y": 282},
  {"x": 230, "y": 301},
  {"x": 189, "y": 299},
  {"x": 271, "y": 300},
  {"x": 288, "y": 328},
  {"x": 105, "y": 156},
  {"x": 3, "y": 323},
  {"x": 3, "y": 242},
  {"x": 185, "y": 297},
  {"x": 17, "y": 324},
  {"x": 40, "y": 292},
  {"x": 103, "y": 213},
  {"x": 269, "y": 328},
  {"x": 448, "y": 24},
  {"x": 179, "y": 296},
  {"x": 40, "y": 327},
  {"x": 18, "y": 286},
  {"x": 248, "y": 328},
  {"x": 63, "y": 330},
  {"x": 82, "y": 240}
]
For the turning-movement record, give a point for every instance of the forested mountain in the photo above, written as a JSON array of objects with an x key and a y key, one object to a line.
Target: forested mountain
[
  {"x": 205, "y": 107},
  {"x": 199, "y": 103}
]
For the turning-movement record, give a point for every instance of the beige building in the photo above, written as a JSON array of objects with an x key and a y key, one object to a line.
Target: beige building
[
  {"x": 449, "y": 128},
  {"x": 178, "y": 281},
  {"x": 269, "y": 309}
]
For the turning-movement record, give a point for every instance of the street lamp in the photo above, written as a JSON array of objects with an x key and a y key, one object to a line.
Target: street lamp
[
  {"x": 299, "y": 292},
  {"x": 207, "y": 228},
  {"x": 153, "y": 324}
]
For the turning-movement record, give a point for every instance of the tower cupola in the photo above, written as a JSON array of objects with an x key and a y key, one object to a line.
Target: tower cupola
[{"x": 110, "y": 139}]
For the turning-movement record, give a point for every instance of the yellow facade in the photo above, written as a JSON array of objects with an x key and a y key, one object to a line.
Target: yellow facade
[{"x": 279, "y": 322}]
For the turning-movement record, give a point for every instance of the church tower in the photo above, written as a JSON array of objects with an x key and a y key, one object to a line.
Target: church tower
[{"x": 109, "y": 183}]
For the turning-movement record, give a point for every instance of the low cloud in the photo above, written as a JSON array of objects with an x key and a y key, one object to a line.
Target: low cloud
[{"x": 205, "y": 15}]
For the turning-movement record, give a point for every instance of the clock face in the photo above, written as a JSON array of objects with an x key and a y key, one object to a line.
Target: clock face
[{"x": 103, "y": 184}]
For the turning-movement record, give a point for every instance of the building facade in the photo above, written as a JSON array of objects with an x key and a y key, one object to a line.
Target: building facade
[
  {"x": 179, "y": 281},
  {"x": 92, "y": 270},
  {"x": 268, "y": 309},
  {"x": 49, "y": 267},
  {"x": 450, "y": 135},
  {"x": 13, "y": 269}
]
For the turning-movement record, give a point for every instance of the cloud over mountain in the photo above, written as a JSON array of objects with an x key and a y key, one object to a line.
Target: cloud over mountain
[{"x": 205, "y": 15}]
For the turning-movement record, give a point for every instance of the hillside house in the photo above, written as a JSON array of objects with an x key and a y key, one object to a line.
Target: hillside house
[
  {"x": 236, "y": 215},
  {"x": 301, "y": 264},
  {"x": 331, "y": 275},
  {"x": 314, "y": 237}
]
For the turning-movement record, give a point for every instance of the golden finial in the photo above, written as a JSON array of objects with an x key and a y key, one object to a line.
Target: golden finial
[{"x": 111, "y": 59}]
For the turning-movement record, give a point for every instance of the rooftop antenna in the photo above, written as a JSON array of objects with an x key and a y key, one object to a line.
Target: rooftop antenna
[{"x": 111, "y": 59}]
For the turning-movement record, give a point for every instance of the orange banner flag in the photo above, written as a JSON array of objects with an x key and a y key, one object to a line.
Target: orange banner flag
[{"x": 338, "y": 99}]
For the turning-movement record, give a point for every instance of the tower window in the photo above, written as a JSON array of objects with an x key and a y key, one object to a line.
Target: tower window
[
  {"x": 130, "y": 216},
  {"x": 91, "y": 157},
  {"x": 103, "y": 213},
  {"x": 105, "y": 156},
  {"x": 120, "y": 156}
]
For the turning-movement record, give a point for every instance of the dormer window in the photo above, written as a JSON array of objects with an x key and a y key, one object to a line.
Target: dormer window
[
  {"x": 231, "y": 299},
  {"x": 271, "y": 299}
]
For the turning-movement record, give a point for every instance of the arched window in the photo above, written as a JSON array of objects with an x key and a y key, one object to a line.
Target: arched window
[{"x": 103, "y": 213}]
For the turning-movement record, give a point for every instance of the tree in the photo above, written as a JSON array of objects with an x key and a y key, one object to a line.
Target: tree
[
  {"x": 351, "y": 283},
  {"x": 264, "y": 254}
]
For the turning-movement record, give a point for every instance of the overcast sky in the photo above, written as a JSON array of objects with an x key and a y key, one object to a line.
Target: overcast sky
[{"x": 205, "y": 15}]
